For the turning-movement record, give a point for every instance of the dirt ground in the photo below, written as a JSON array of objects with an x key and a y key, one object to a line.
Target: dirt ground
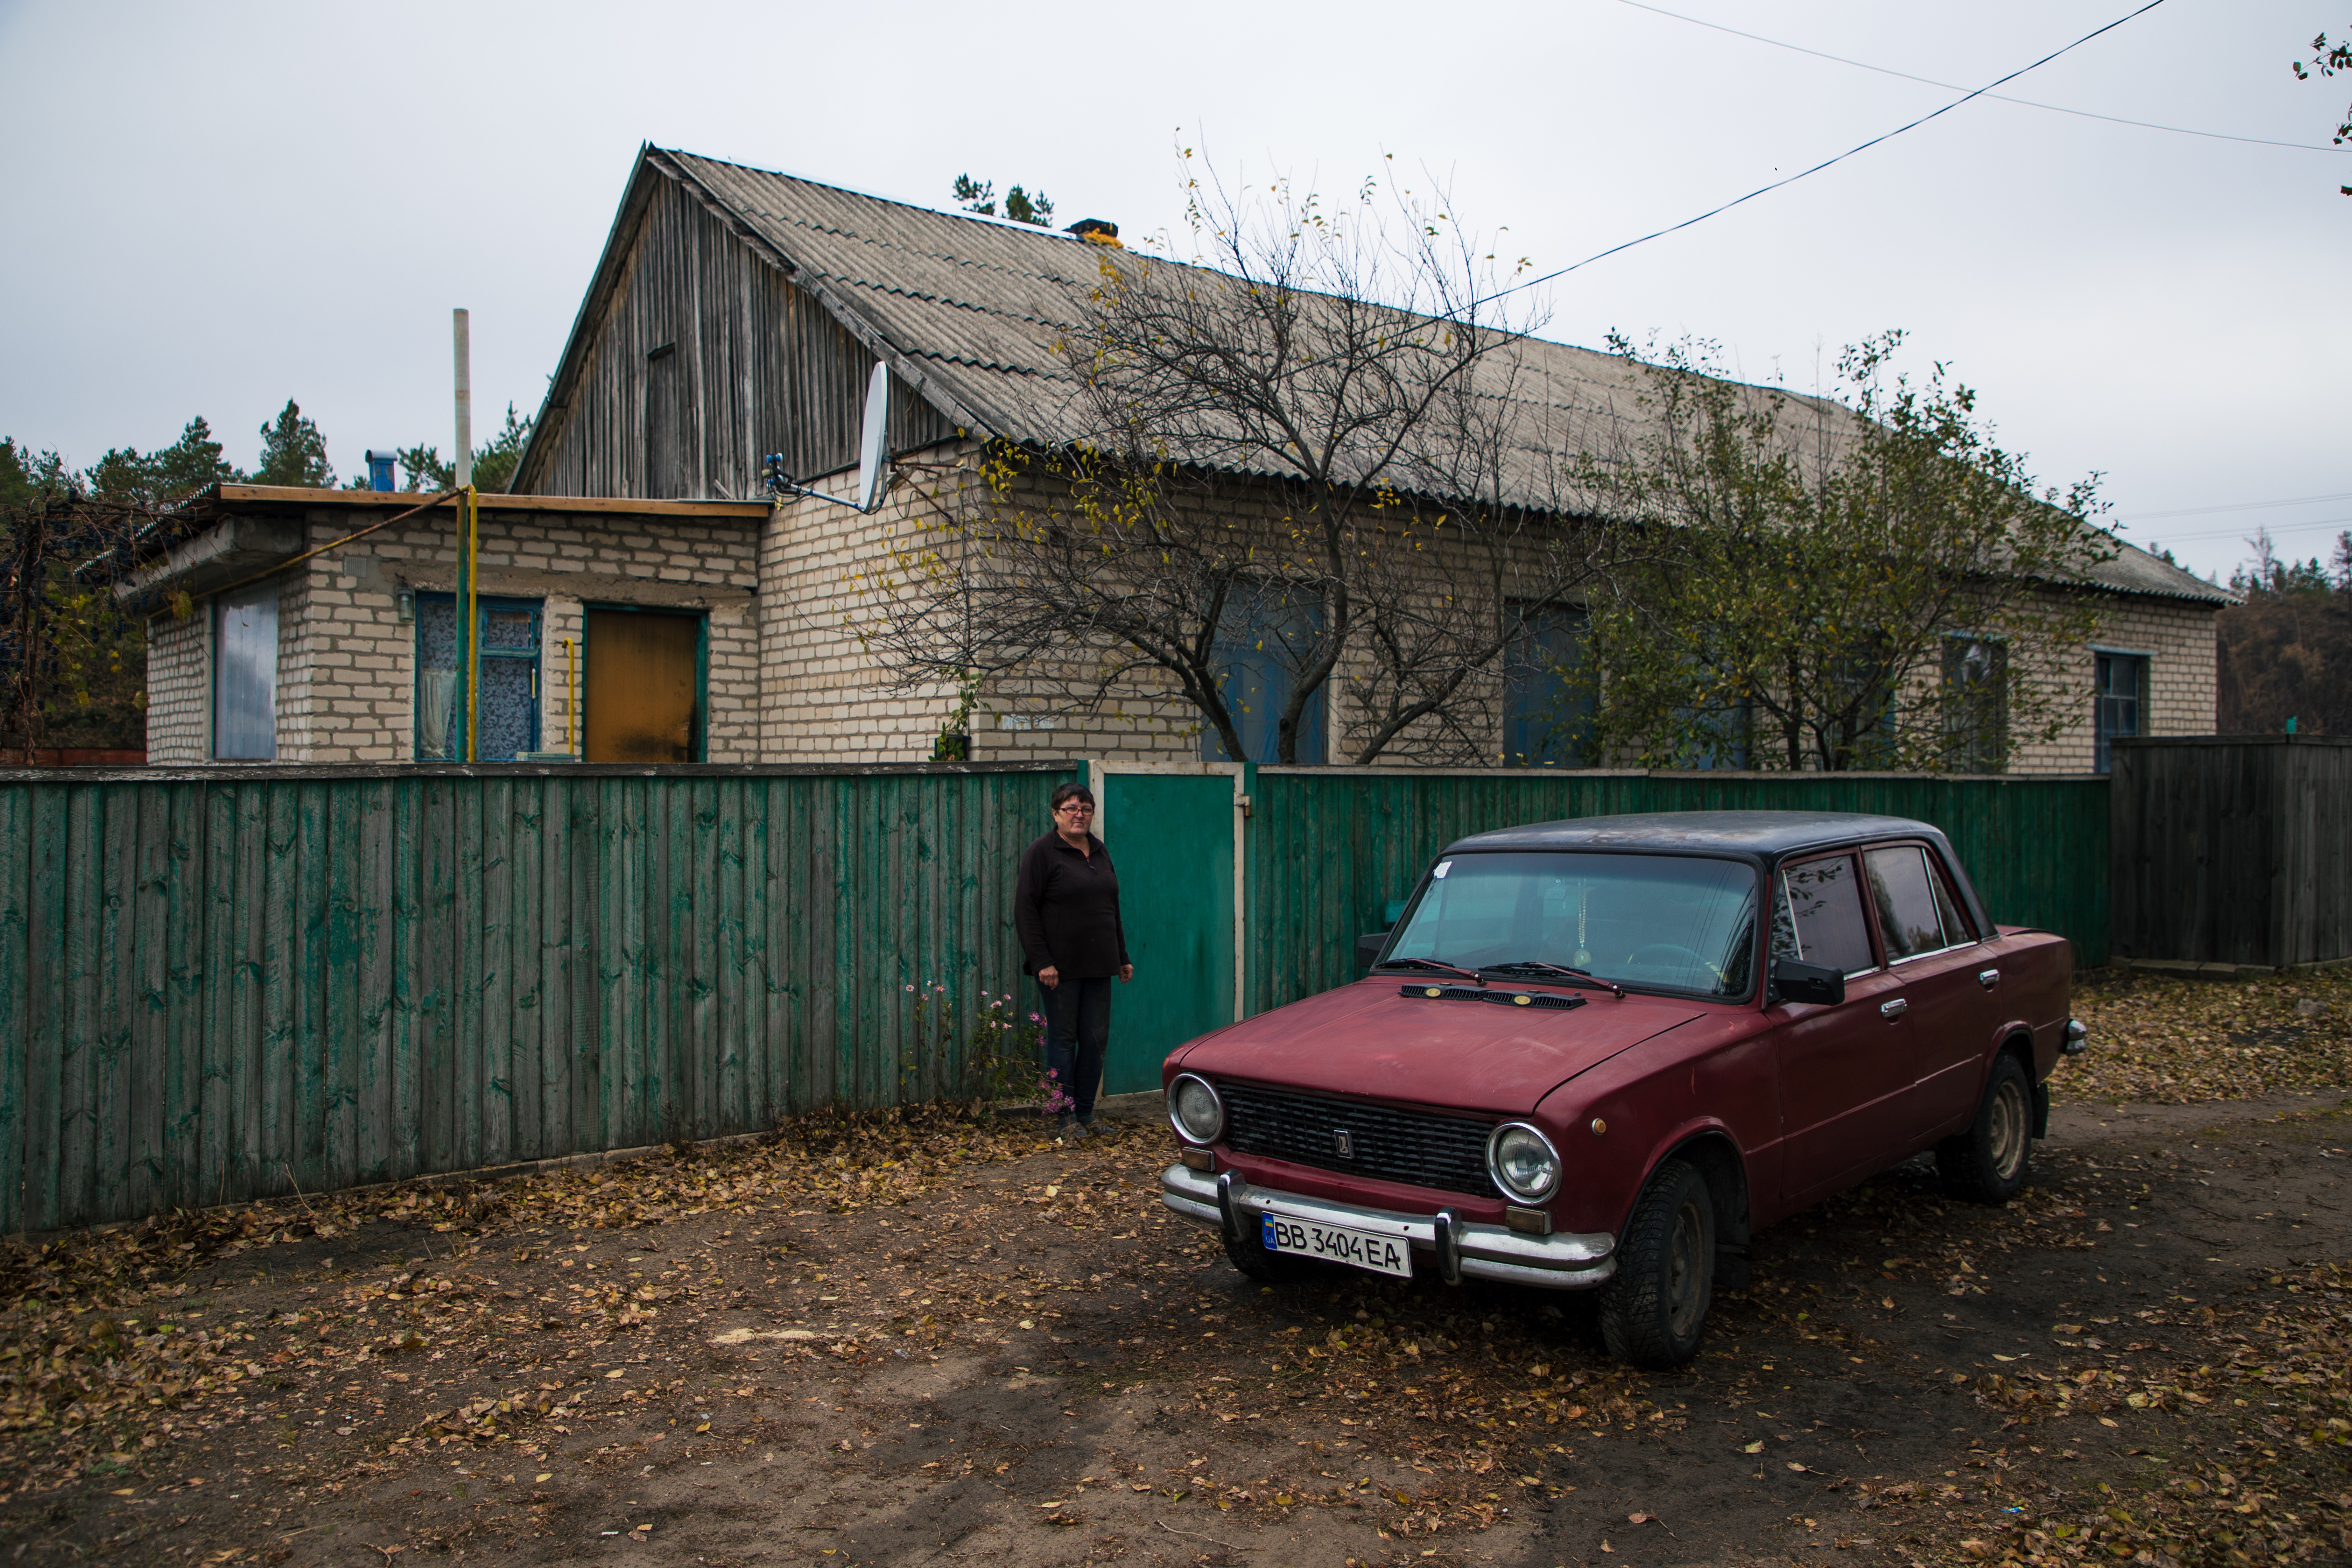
[{"x": 1030, "y": 1361}]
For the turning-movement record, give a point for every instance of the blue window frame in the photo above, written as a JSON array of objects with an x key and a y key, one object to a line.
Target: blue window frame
[
  {"x": 1256, "y": 652},
  {"x": 2121, "y": 689},
  {"x": 1547, "y": 705},
  {"x": 508, "y": 631}
]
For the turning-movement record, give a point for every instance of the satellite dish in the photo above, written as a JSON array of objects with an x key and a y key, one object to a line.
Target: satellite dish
[{"x": 875, "y": 435}]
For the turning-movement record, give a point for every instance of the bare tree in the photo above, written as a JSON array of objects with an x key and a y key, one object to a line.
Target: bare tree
[
  {"x": 1307, "y": 452},
  {"x": 70, "y": 649}
]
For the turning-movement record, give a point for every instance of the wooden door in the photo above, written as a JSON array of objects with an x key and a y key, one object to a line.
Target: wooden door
[{"x": 642, "y": 701}]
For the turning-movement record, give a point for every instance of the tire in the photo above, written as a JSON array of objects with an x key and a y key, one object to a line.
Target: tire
[
  {"x": 1249, "y": 1254},
  {"x": 1653, "y": 1308},
  {"x": 1985, "y": 1164}
]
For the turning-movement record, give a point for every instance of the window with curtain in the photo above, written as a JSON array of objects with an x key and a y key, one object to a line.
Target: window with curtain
[
  {"x": 1547, "y": 711},
  {"x": 1975, "y": 704},
  {"x": 1259, "y": 646}
]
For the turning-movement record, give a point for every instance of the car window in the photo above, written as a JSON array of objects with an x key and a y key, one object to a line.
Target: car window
[
  {"x": 1910, "y": 914},
  {"x": 1819, "y": 918},
  {"x": 1682, "y": 922},
  {"x": 1956, "y": 926}
]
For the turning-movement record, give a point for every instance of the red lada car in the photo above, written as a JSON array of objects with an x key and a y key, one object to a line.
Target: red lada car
[{"x": 1600, "y": 1053}]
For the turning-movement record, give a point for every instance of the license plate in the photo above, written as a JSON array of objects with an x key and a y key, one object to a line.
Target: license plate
[{"x": 1337, "y": 1243}]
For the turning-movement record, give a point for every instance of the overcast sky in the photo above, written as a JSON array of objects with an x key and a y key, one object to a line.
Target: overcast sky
[{"x": 216, "y": 207}]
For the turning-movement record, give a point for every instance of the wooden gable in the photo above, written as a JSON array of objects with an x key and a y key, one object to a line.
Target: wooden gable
[{"x": 694, "y": 357}]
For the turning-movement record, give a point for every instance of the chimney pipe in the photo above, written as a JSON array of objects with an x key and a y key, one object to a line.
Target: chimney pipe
[{"x": 380, "y": 468}]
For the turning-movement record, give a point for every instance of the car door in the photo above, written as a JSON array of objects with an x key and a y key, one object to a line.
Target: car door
[
  {"x": 1847, "y": 1072},
  {"x": 1941, "y": 972}
]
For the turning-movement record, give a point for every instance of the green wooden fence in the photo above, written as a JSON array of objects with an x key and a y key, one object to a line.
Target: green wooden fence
[
  {"x": 1329, "y": 847},
  {"x": 217, "y": 985},
  {"x": 220, "y": 985}
]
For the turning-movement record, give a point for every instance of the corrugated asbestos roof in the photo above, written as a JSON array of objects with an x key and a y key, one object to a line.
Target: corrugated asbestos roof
[
  {"x": 981, "y": 305},
  {"x": 973, "y": 309}
]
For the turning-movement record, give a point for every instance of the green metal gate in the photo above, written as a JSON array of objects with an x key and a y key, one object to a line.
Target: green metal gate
[{"x": 1170, "y": 831}]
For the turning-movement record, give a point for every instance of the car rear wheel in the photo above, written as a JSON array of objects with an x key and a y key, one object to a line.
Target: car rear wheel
[
  {"x": 1985, "y": 1164},
  {"x": 1655, "y": 1307}
]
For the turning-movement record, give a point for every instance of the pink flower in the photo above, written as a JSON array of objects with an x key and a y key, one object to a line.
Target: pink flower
[
  {"x": 1036, "y": 1018},
  {"x": 910, "y": 988}
]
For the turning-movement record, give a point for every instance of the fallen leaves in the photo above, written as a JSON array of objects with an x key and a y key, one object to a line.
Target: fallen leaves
[
  {"x": 2169, "y": 1041},
  {"x": 96, "y": 1353}
]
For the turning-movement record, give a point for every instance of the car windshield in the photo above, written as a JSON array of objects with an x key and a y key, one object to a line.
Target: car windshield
[{"x": 1677, "y": 921}]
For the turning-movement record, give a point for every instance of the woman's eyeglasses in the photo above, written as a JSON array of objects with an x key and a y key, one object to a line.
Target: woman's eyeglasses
[{"x": 1076, "y": 808}]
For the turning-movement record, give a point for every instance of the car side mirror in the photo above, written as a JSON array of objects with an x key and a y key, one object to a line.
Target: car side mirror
[
  {"x": 1815, "y": 983},
  {"x": 1368, "y": 948}
]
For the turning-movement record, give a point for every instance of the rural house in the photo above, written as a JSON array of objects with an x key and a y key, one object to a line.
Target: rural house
[{"x": 735, "y": 314}]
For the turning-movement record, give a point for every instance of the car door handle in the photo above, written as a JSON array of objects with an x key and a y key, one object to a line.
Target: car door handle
[
  {"x": 1988, "y": 978},
  {"x": 1894, "y": 1009}
]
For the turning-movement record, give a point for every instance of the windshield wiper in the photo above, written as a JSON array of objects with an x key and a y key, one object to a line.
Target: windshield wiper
[
  {"x": 1571, "y": 976},
  {"x": 1442, "y": 968}
]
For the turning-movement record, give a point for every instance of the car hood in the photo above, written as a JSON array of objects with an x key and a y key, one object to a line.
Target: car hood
[{"x": 1366, "y": 1039}]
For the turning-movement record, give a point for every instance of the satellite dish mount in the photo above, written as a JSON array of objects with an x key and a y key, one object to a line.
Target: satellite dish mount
[{"x": 873, "y": 454}]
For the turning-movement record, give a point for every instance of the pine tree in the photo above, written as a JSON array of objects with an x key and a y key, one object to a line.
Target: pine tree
[{"x": 293, "y": 452}]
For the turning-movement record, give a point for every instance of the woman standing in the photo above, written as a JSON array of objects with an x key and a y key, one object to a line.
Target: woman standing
[{"x": 1065, "y": 907}]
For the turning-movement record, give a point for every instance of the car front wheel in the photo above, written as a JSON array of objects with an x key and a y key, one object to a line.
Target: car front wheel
[
  {"x": 1654, "y": 1306},
  {"x": 1248, "y": 1252},
  {"x": 1985, "y": 1164}
]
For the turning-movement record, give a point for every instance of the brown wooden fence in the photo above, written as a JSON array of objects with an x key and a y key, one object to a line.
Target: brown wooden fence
[{"x": 2232, "y": 850}]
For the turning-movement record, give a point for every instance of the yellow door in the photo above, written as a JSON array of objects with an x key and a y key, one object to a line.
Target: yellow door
[{"x": 642, "y": 698}]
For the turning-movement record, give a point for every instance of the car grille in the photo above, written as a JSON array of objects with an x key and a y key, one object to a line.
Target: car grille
[{"x": 1409, "y": 1146}]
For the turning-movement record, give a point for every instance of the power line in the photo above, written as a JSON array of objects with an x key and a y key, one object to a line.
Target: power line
[
  {"x": 1826, "y": 162},
  {"x": 2232, "y": 506},
  {"x": 1955, "y": 87},
  {"x": 2239, "y": 532}
]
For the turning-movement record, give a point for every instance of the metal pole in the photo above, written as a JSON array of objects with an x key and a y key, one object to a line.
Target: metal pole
[
  {"x": 571, "y": 694},
  {"x": 469, "y": 663},
  {"x": 461, "y": 740},
  {"x": 464, "y": 339},
  {"x": 473, "y": 598}
]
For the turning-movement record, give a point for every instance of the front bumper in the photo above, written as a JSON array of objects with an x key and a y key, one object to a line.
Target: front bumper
[{"x": 1459, "y": 1248}]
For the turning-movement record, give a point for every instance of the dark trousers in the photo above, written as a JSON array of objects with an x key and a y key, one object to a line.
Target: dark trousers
[{"x": 1078, "y": 1026}]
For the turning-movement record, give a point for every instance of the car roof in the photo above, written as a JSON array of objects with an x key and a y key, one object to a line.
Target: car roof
[{"x": 1750, "y": 835}]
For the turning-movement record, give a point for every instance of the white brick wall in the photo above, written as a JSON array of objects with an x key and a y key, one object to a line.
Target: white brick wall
[
  {"x": 347, "y": 663},
  {"x": 179, "y": 685},
  {"x": 787, "y": 679},
  {"x": 2181, "y": 678}
]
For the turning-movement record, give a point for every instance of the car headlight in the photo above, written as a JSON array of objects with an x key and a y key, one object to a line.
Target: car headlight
[
  {"x": 1523, "y": 1163},
  {"x": 1194, "y": 1109}
]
